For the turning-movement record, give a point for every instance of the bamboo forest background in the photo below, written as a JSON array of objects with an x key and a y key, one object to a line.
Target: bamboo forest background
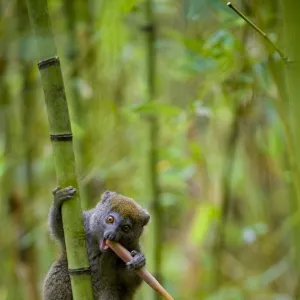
[{"x": 190, "y": 122}]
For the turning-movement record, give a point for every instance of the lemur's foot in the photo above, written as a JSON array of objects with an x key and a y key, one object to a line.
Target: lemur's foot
[
  {"x": 61, "y": 195},
  {"x": 138, "y": 261}
]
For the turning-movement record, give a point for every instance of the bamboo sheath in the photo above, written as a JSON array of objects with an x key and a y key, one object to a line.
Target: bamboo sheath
[{"x": 125, "y": 255}]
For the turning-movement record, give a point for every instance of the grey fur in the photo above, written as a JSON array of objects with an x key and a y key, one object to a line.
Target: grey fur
[{"x": 112, "y": 279}]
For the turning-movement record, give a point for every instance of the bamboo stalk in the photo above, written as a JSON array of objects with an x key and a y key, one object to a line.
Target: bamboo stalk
[
  {"x": 150, "y": 31},
  {"x": 291, "y": 22},
  {"x": 28, "y": 220},
  {"x": 125, "y": 255},
  {"x": 61, "y": 136},
  {"x": 11, "y": 284}
]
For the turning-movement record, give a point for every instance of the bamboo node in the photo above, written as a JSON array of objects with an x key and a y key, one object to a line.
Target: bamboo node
[
  {"x": 66, "y": 137},
  {"x": 43, "y": 64},
  {"x": 148, "y": 28},
  {"x": 80, "y": 271}
]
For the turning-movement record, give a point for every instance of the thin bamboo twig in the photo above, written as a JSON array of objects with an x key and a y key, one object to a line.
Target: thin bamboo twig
[
  {"x": 125, "y": 255},
  {"x": 257, "y": 29}
]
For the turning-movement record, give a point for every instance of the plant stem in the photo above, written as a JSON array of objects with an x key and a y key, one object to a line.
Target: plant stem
[
  {"x": 150, "y": 31},
  {"x": 28, "y": 219},
  {"x": 291, "y": 23},
  {"x": 61, "y": 136}
]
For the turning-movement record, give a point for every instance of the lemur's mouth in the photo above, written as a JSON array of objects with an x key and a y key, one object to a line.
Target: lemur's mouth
[{"x": 103, "y": 245}]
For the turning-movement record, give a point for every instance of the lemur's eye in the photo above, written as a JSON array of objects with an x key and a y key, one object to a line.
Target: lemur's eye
[
  {"x": 126, "y": 228},
  {"x": 110, "y": 219}
]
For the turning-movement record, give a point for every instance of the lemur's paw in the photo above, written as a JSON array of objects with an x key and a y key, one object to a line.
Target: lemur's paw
[
  {"x": 61, "y": 195},
  {"x": 134, "y": 253},
  {"x": 138, "y": 261}
]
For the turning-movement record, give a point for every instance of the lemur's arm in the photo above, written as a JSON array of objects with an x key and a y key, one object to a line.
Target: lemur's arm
[{"x": 55, "y": 217}]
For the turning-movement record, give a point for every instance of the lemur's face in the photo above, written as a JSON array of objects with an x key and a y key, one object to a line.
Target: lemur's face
[
  {"x": 118, "y": 218},
  {"x": 119, "y": 229}
]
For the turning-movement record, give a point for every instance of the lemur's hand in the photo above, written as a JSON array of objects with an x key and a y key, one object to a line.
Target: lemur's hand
[
  {"x": 61, "y": 195},
  {"x": 138, "y": 261}
]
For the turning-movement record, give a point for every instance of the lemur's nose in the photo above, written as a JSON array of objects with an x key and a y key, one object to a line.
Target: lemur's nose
[{"x": 112, "y": 236}]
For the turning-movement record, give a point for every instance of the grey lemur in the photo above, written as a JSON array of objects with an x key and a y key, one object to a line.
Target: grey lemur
[{"x": 115, "y": 218}]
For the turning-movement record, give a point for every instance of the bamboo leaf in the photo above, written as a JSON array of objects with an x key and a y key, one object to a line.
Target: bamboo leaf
[{"x": 156, "y": 108}]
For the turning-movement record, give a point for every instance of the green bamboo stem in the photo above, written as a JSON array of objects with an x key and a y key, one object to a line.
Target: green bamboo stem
[
  {"x": 150, "y": 31},
  {"x": 11, "y": 284},
  {"x": 291, "y": 22},
  {"x": 60, "y": 131},
  {"x": 282, "y": 105},
  {"x": 28, "y": 217}
]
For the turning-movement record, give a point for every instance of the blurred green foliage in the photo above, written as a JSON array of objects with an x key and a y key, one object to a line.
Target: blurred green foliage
[{"x": 222, "y": 135}]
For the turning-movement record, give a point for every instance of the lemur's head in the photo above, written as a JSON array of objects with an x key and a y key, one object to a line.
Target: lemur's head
[{"x": 118, "y": 218}]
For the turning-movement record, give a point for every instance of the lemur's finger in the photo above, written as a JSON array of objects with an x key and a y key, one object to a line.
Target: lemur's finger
[
  {"x": 137, "y": 262},
  {"x": 72, "y": 191},
  {"x": 56, "y": 190},
  {"x": 68, "y": 191}
]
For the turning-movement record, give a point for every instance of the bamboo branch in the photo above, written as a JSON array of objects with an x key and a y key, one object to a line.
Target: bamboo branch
[
  {"x": 125, "y": 255},
  {"x": 257, "y": 29}
]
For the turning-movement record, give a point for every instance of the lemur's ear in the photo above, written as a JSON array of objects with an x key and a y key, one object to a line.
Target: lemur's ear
[
  {"x": 146, "y": 217},
  {"x": 107, "y": 195}
]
